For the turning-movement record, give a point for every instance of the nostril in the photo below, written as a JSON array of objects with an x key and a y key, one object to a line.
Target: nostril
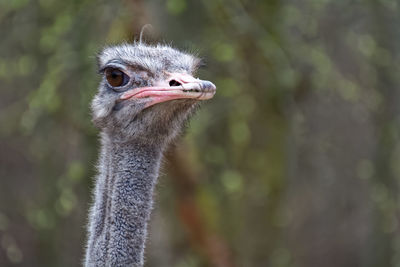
[{"x": 174, "y": 83}]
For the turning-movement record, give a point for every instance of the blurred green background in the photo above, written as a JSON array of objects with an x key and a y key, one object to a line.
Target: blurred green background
[{"x": 295, "y": 162}]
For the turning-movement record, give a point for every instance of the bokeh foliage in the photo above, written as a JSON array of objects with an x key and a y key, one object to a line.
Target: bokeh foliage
[{"x": 295, "y": 162}]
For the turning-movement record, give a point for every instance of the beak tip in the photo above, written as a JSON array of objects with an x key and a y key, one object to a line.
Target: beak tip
[{"x": 207, "y": 85}]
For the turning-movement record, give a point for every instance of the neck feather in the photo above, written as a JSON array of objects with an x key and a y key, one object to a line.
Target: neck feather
[{"x": 122, "y": 203}]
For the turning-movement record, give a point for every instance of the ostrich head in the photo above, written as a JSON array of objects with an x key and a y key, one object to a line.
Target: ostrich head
[{"x": 146, "y": 92}]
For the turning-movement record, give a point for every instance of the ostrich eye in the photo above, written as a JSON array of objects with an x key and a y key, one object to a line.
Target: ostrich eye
[{"x": 115, "y": 77}]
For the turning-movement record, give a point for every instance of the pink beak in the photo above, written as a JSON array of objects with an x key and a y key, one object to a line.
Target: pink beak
[{"x": 177, "y": 86}]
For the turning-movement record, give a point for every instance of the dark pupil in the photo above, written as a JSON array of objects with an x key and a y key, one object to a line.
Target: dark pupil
[{"x": 115, "y": 77}]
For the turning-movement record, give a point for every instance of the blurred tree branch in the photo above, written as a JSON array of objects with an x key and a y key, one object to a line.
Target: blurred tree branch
[{"x": 210, "y": 244}]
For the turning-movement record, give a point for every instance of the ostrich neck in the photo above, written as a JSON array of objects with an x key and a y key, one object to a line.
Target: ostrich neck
[{"x": 123, "y": 201}]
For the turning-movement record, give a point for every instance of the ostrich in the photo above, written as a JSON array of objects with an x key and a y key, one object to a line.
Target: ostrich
[{"x": 146, "y": 95}]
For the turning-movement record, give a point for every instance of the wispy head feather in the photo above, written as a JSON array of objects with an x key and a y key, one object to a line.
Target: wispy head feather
[{"x": 146, "y": 26}]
